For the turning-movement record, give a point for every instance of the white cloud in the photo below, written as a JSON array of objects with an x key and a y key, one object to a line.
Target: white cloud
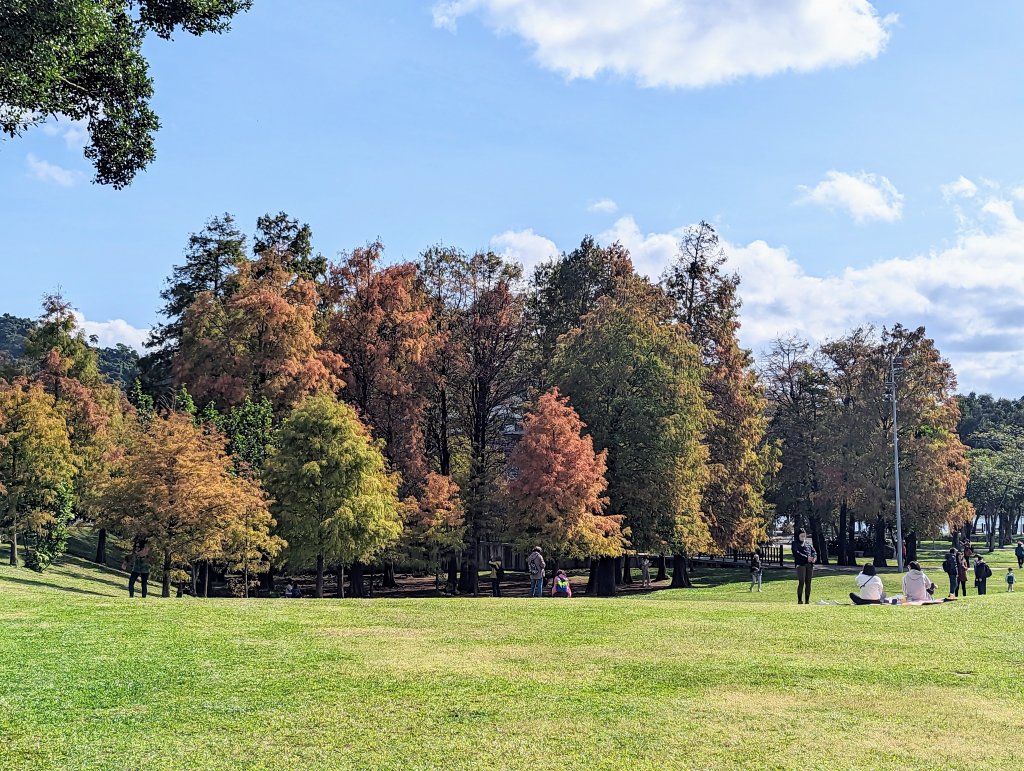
[
  {"x": 865, "y": 197},
  {"x": 962, "y": 188},
  {"x": 969, "y": 296},
  {"x": 74, "y": 132},
  {"x": 525, "y": 247},
  {"x": 605, "y": 206},
  {"x": 683, "y": 43},
  {"x": 110, "y": 333},
  {"x": 48, "y": 172}
]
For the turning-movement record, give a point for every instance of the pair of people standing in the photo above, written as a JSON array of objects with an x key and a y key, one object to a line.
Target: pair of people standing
[
  {"x": 804, "y": 556},
  {"x": 955, "y": 566},
  {"x": 535, "y": 563}
]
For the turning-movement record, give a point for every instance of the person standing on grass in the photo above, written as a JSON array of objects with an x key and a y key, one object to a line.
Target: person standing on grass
[
  {"x": 961, "y": 575},
  {"x": 1010, "y": 578},
  {"x": 139, "y": 559},
  {"x": 804, "y": 556},
  {"x": 645, "y": 571},
  {"x": 497, "y": 573},
  {"x": 982, "y": 572},
  {"x": 1018, "y": 552},
  {"x": 535, "y": 563},
  {"x": 951, "y": 567},
  {"x": 756, "y": 570},
  {"x": 968, "y": 550},
  {"x": 560, "y": 587}
]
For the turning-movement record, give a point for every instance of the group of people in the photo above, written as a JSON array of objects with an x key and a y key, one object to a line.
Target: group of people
[
  {"x": 956, "y": 566},
  {"x": 917, "y": 587},
  {"x": 560, "y": 587}
]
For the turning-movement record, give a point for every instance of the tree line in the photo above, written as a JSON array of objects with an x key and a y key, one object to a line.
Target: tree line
[{"x": 326, "y": 415}]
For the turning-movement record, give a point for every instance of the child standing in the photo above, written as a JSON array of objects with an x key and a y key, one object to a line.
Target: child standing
[
  {"x": 756, "y": 571},
  {"x": 1009, "y": 579}
]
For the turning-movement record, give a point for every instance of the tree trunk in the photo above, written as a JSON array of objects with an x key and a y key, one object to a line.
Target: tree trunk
[
  {"x": 818, "y": 539},
  {"x": 193, "y": 576},
  {"x": 180, "y": 591},
  {"x": 357, "y": 587},
  {"x": 206, "y": 578},
  {"x": 911, "y": 546},
  {"x": 880, "y": 546},
  {"x": 453, "y": 572},
  {"x": 464, "y": 575},
  {"x": 618, "y": 571},
  {"x": 165, "y": 589},
  {"x": 662, "y": 568},
  {"x": 627, "y": 570},
  {"x": 319, "y": 576},
  {"x": 845, "y": 553},
  {"x": 101, "y": 547},
  {"x": 12, "y": 515},
  {"x": 389, "y": 581},
  {"x": 606, "y": 575},
  {"x": 592, "y": 576},
  {"x": 680, "y": 574}
]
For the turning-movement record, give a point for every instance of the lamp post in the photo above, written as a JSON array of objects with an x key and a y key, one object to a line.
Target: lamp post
[{"x": 896, "y": 365}]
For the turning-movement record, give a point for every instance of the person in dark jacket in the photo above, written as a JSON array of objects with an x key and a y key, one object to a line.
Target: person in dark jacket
[
  {"x": 138, "y": 561},
  {"x": 961, "y": 575},
  {"x": 951, "y": 567},
  {"x": 804, "y": 556},
  {"x": 756, "y": 570},
  {"x": 982, "y": 572},
  {"x": 1018, "y": 552}
]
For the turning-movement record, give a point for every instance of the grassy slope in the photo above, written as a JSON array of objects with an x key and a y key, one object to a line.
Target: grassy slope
[{"x": 708, "y": 678}]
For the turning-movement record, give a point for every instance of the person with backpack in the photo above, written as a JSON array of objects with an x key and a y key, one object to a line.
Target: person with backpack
[
  {"x": 1010, "y": 579},
  {"x": 804, "y": 556},
  {"x": 138, "y": 560},
  {"x": 982, "y": 572},
  {"x": 756, "y": 571},
  {"x": 951, "y": 567},
  {"x": 497, "y": 574},
  {"x": 1018, "y": 552},
  {"x": 560, "y": 587},
  {"x": 961, "y": 575},
  {"x": 535, "y": 564}
]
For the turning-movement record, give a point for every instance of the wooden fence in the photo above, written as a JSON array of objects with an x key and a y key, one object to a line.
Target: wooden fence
[{"x": 771, "y": 554}]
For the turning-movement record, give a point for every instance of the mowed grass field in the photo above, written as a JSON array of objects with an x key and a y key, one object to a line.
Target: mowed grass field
[{"x": 707, "y": 678}]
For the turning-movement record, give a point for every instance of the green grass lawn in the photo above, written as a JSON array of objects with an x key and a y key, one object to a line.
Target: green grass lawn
[{"x": 708, "y": 678}]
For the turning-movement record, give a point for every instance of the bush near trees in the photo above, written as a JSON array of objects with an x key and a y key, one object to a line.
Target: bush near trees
[{"x": 296, "y": 414}]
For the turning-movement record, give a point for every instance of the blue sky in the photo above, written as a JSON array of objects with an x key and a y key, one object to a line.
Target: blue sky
[{"x": 821, "y": 137}]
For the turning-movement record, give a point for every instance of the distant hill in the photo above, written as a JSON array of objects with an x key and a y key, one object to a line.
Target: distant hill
[{"x": 120, "y": 364}]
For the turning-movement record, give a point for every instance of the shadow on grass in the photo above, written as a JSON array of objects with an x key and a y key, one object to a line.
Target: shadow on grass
[{"x": 49, "y": 585}]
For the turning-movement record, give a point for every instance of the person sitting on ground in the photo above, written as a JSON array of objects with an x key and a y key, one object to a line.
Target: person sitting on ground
[
  {"x": 870, "y": 585},
  {"x": 292, "y": 590},
  {"x": 1010, "y": 578},
  {"x": 560, "y": 587},
  {"x": 916, "y": 585}
]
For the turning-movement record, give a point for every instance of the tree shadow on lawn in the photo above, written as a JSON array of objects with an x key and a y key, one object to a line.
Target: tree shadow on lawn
[{"x": 49, "y": 585}]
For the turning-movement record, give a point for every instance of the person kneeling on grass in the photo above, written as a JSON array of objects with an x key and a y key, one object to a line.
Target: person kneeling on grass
[
  {"x": 561, "y": 587},
  {"x": 871, "y": 588},
  {"x": 916, "y": 585}
]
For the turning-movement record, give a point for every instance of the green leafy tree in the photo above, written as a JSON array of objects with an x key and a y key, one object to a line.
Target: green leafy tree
[
  {"x": 635, "y": 381},
  {"x": 83, "y": 59},
  {"x": 36, "y": 460},
  {"x": 333, "y": 498}
]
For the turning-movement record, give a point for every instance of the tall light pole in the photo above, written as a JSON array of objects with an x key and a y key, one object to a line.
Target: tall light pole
[{"x": 896, "y": 365}]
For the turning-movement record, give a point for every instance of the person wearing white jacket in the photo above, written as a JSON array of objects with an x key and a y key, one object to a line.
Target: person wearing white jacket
[
  {"x": 870, "y": 585},
  {"x": 916, "y": 585}
]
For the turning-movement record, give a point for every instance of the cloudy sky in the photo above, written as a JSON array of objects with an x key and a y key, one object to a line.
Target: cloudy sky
[{"x": 860, "y": 159}]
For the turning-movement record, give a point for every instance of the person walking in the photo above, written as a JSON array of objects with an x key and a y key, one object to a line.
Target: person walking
[
  {"x": 1018, "y": 552},
  {"x": 804, "y": 556},
  {"x": 138, "y": 561},
  {"x": 982, "y": 572},
  {"x": 497, "y": 573},
  {"x": 1010, "y": 578},
  {"x": 951, "y": 567},
  {"x": 560, "y": 587},
  {"x": 756, "y": 571},
  {"x": 535, "y": 563},
  {"x": 961, "y": 575}
]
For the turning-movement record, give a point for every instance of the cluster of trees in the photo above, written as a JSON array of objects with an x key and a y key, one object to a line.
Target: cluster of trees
[
  {"x": 331, "y": 415},
  {"x": 993, "y": 429},
  {"x": 830, "y": 408}
]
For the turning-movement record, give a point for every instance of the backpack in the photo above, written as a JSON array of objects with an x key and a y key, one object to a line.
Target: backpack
[
  {"x": 561, "y": 585},
  {"x": 987, "y": 572}
]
